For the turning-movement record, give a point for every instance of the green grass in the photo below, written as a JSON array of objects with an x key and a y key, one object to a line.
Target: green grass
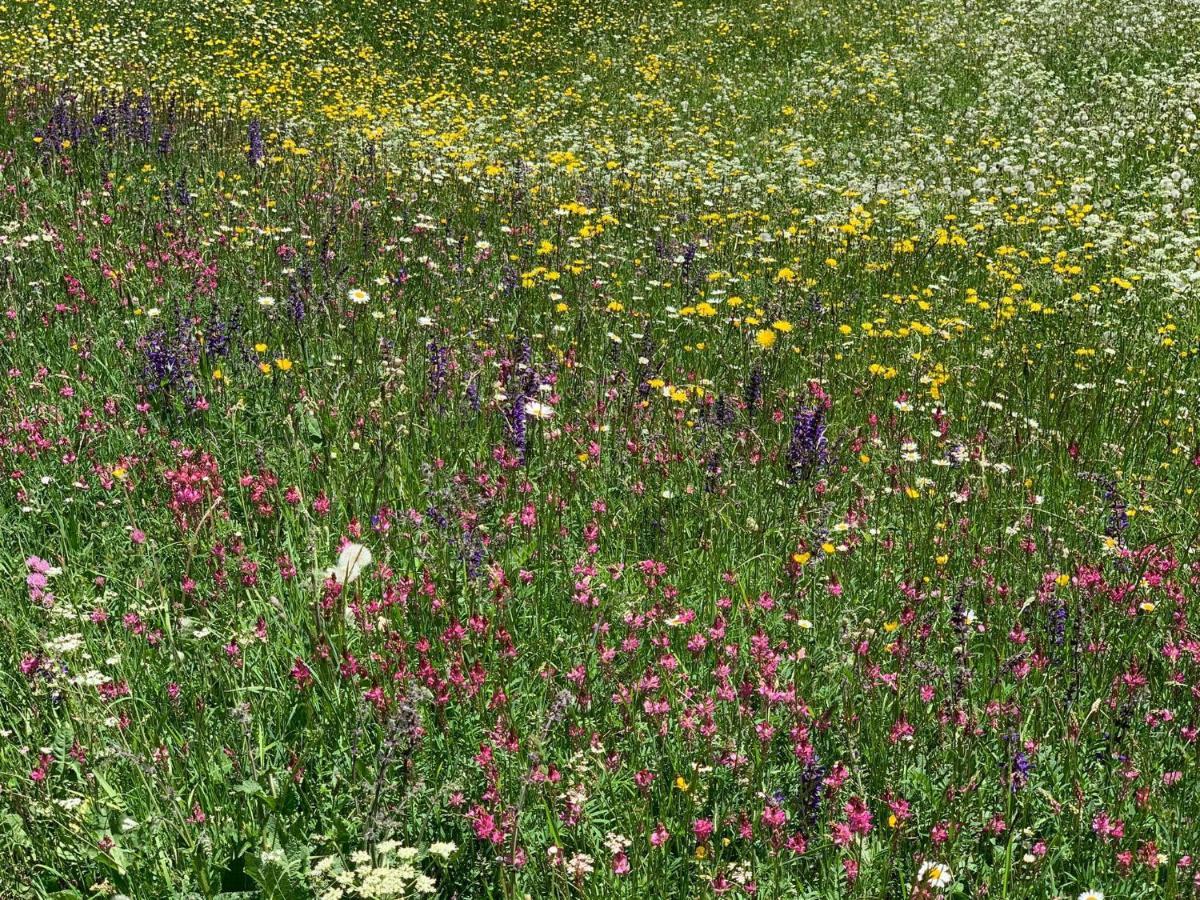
[{"x": 867, "y": 339}]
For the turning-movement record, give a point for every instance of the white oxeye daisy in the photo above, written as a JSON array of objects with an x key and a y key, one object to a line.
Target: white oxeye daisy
[
  {"x": 357, "y": 295},
  {"x": 1092, "y": 895},
  {"x": 539, "y": 410},
  {"x": 266, "y": 302},
  {"x": 936, "y": 875}
]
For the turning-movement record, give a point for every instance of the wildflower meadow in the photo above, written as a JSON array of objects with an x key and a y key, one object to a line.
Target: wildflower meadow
[{"x": 560, "y": 448}]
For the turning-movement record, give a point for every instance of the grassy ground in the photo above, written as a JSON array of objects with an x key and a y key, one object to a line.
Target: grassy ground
[{"x": 567, "y": 449}]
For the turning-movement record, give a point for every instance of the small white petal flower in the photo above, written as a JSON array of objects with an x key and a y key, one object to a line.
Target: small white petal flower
[
  {"x": 934, "y": 874},
  {"x": 539, "y": 410}
]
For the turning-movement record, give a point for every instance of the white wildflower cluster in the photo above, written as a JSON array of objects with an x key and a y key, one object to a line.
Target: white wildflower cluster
[{"x": 391, "y": 871}]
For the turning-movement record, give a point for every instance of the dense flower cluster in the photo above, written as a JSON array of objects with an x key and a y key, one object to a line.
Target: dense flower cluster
[{"x": 545, "y": 449}]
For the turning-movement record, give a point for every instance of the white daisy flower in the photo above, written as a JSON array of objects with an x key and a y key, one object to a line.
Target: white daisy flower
[
  {"x": 934, "y": 874},
  {"x": 539, "y": 410}
]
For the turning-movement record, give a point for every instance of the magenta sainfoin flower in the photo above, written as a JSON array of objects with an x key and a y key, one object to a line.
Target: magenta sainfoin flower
[
  {"x": 195, "y": 488},
  {"x": 300, "y": 674},
  {"x": 858, "y": 817},
  {"x": 856, "y": 824},
  {"x": 773, "y": 816},
  {"x": 1107, "y": 828}
]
